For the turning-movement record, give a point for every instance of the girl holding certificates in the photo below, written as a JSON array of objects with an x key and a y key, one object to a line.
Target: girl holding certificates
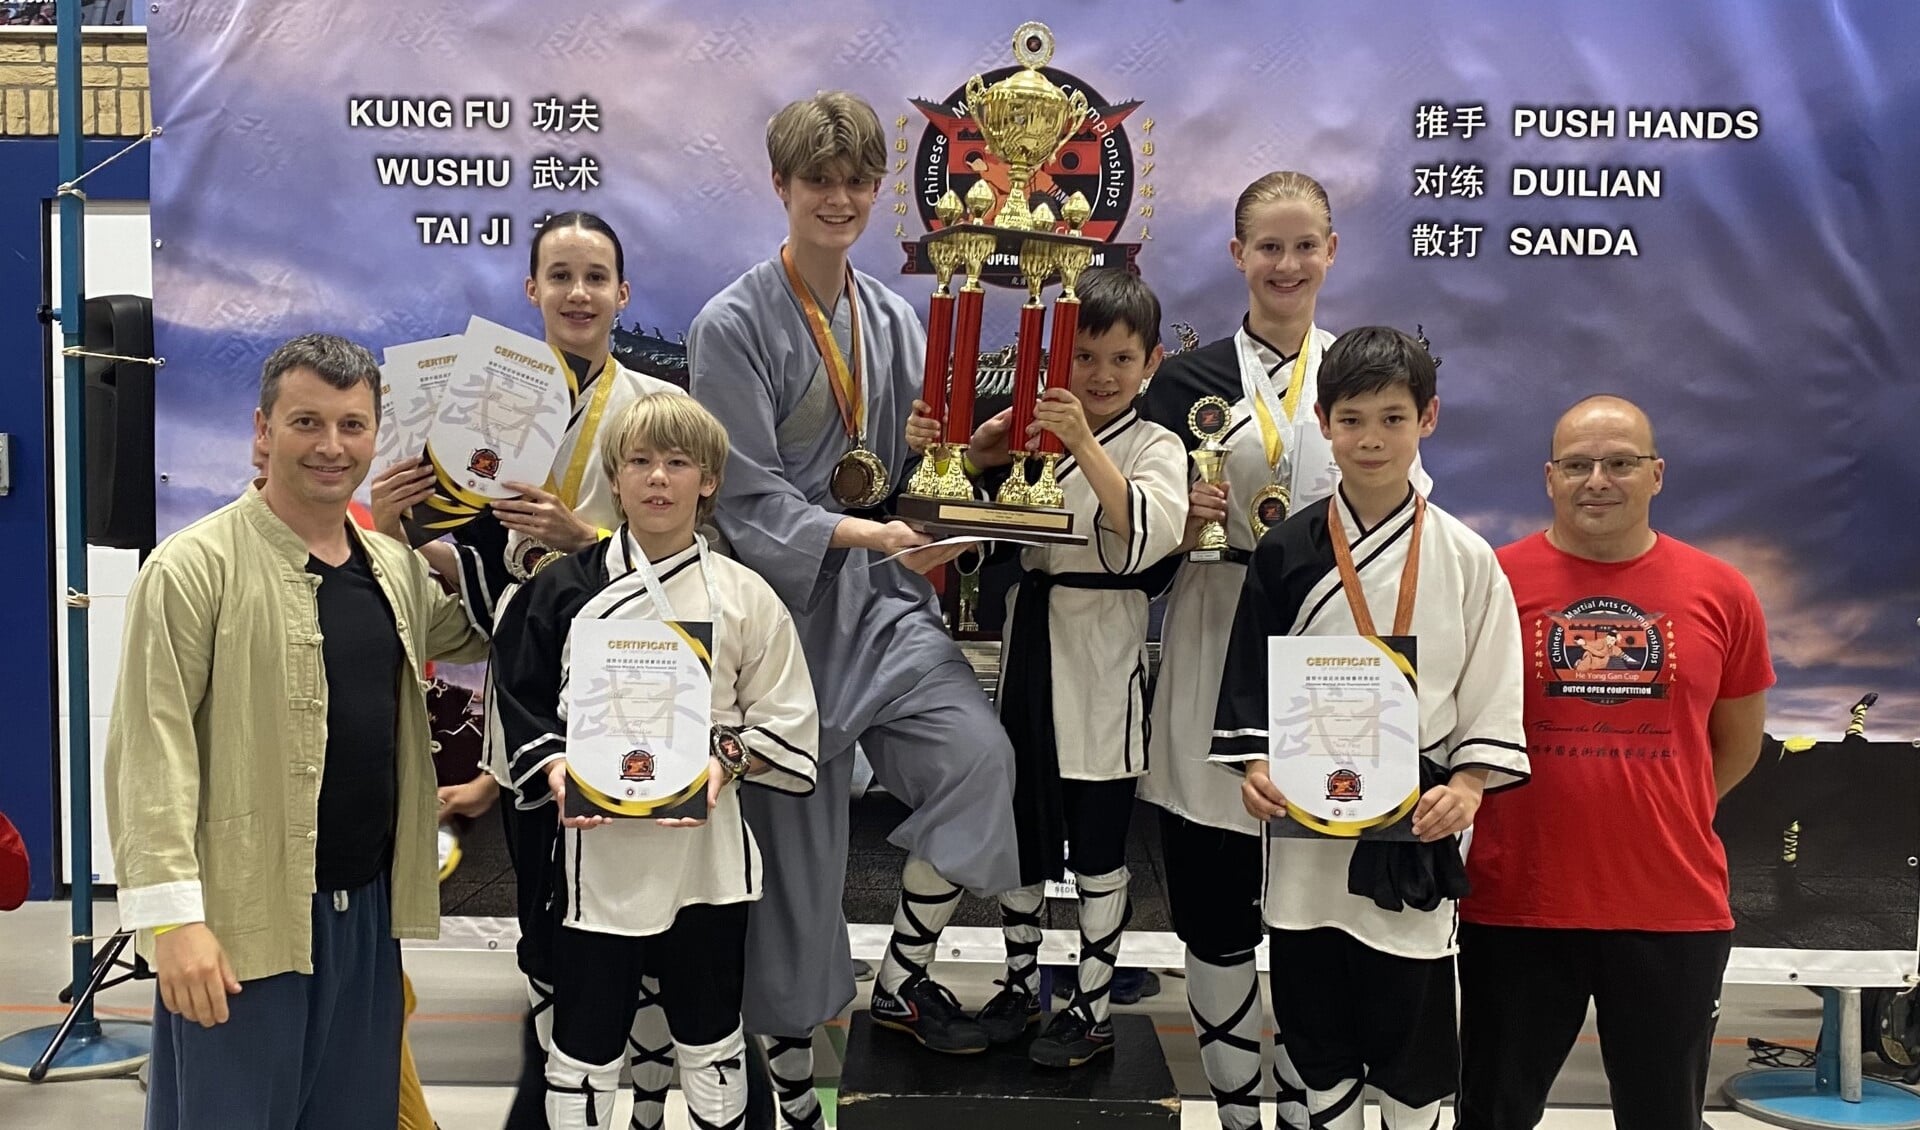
[
  {"x": 576, "y": 278},
  {"x": 638, "y": 897},
  {"x": 1264, "y": 378}
]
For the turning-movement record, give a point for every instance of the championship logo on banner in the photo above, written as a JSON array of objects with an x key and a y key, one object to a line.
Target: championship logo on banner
[{"x": 1097, "y": 162}]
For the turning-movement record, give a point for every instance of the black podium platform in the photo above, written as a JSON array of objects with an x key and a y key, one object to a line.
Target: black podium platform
[{"x": 889, "y": 1082}]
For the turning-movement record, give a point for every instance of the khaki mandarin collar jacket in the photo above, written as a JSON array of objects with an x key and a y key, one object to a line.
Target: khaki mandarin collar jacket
[{"x": 217, "y": 743}]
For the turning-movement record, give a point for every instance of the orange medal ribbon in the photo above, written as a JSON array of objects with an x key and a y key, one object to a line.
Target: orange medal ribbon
[{"x": 1350, "y": 577}]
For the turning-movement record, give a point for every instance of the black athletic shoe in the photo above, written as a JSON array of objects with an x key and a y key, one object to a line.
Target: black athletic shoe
[
  {"x": 1011, "y": 1012},
  {"x": 927, "y": 1011},
  {"x": 1070, "y": 1041}
]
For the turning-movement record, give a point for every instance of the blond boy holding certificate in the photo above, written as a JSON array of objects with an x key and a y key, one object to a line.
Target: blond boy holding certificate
[{"x": 657, "y": 872}]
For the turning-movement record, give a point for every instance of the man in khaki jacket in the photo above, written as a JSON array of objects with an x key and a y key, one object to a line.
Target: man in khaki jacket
[{"x": 270, "y": 786}]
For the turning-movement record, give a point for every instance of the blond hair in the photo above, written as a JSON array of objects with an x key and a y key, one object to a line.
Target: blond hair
[
  {"x": 668, "y": 421},
  {"x": 1275, "y": 187},
  {"x": 834, "y": 131}
]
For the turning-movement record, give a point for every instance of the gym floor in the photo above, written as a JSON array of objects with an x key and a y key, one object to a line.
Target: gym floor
[{"x": 466, "y": 1035}]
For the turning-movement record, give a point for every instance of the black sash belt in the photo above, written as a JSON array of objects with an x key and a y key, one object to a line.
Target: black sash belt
[
  {"x": 1026, "y": 710},
  {"x": 1401, "y": 874}
]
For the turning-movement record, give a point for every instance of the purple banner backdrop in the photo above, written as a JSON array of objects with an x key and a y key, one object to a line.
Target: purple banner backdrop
[{"x": 1764, "y": 314}]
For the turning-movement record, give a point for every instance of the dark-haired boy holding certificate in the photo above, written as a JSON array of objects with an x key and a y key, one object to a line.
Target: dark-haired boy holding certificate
[
  {"x": 1361, "y": 926},
  {"x": 598, "y": 700}
]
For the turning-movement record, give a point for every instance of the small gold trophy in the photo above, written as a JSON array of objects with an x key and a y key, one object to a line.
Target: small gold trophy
[{"x": 1208, "y": 420}]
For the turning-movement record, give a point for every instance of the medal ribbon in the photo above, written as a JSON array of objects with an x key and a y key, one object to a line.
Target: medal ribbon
[
  {"x": 1270, "y": 433},
  {"x": 584, "y": 443},
  {"x": 845, "y": 377},
  {"x": 1350, "y": 578}
]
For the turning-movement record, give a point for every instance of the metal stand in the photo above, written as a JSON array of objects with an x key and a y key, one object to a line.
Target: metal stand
[
  {"x": 80, "y": 1046},
  {"x": 1832, "y": 1095},
  {"x": 92, "y": 1050}
]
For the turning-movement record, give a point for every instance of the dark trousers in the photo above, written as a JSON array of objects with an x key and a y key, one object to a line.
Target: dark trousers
[
  {"x": 1345, "y": 1010},
  {"x": 298, "y": 1051},
  {"x": 532, "y": 837},
  {"x": 700, "y": 961},
  {"x": 1523, "y": 998},
  {"x": 1213, "y": 887}
]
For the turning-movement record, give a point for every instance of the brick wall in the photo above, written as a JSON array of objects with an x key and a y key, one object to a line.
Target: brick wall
[{"x": 113, "y": 77}]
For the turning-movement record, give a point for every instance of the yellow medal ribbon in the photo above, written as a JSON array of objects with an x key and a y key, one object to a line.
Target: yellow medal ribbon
[
  {"x": 1270, "y": 433},
  {"x": 846, "y": 378},
  {"x": 569, "y": 490}
]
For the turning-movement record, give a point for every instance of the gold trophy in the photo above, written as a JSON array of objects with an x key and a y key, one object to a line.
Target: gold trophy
[
  {"x": 1208, "y": 420},
  {"x": 1024, "y": 120}
]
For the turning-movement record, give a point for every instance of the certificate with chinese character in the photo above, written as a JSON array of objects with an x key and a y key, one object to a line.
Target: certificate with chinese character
[
  {"x": 412, "y": 378},
  {"x": 501, "y": 415},
  {"x": 1343, "y": 734},
  {"x": 639, "y": 703}
]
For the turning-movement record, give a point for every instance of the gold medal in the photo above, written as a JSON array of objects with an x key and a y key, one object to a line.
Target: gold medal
[
  {"x": 1268, "y": 508},
  {"x": 859, "y": 479}
]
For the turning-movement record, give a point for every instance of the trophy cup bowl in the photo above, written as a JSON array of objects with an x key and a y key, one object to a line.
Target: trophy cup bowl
[{"x": 1025, "y": 119}]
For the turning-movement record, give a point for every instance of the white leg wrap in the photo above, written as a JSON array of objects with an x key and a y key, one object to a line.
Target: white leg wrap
[
  {"x": 790, "y": 1063},
  {"x": 1104, "y": 911},
  {"x": 1224, "y": 1001},
  {"x": 926, "y": 903},
  {"x": 649, "y": 1058},
  {"x": 1336, "y": 1109},
  {"x": 713, "y": 1079},
  {"x": 580, "y": 1095},
  {"x": 1020, "y": 925}
]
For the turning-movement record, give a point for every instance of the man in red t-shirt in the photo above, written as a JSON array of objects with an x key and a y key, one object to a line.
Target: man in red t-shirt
[{"x": 1604, "y": 880}]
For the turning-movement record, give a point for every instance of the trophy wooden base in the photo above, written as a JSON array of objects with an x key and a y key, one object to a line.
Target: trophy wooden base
[{"x": 968, "y": 517}]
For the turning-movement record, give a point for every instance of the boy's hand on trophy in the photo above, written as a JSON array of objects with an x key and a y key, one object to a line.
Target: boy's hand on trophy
[
  {"x": 988, "y": 447},
  {"x": 1059, "y": 412},
  {"x": 923, "y": 431},
  {"x": 1206, "y": 502}
]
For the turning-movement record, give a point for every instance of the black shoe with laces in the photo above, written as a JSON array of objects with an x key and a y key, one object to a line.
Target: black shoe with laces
[
  {"x": 1011, "y": 1011},
  {"x": 929, "y": 1012},
  {"x": 1070, "y": 1041}
]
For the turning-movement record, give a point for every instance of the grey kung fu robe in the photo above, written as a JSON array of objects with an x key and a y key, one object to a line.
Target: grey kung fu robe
[{"x": 886, "y": 673}]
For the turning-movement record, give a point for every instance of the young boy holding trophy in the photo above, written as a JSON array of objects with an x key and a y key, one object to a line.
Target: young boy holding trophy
[
  {"x": 1073, "y": 685},
  {"x": 641, "y": 677},
  {"x": 1365, "y": 753}
]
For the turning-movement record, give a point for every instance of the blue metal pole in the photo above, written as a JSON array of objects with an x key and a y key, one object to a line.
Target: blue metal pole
[{"x": 73, "y": 317}]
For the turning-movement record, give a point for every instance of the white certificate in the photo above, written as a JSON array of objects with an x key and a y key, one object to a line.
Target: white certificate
[
  {"x": 1343, "y": 734},
  {"x": 501, "y": 415},
  {"x": 639, "y": 717},
  {"x": 411, "y": 381}
]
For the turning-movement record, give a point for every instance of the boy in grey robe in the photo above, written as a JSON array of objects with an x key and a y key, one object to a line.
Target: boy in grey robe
[{"x": 813, "y": 368}]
